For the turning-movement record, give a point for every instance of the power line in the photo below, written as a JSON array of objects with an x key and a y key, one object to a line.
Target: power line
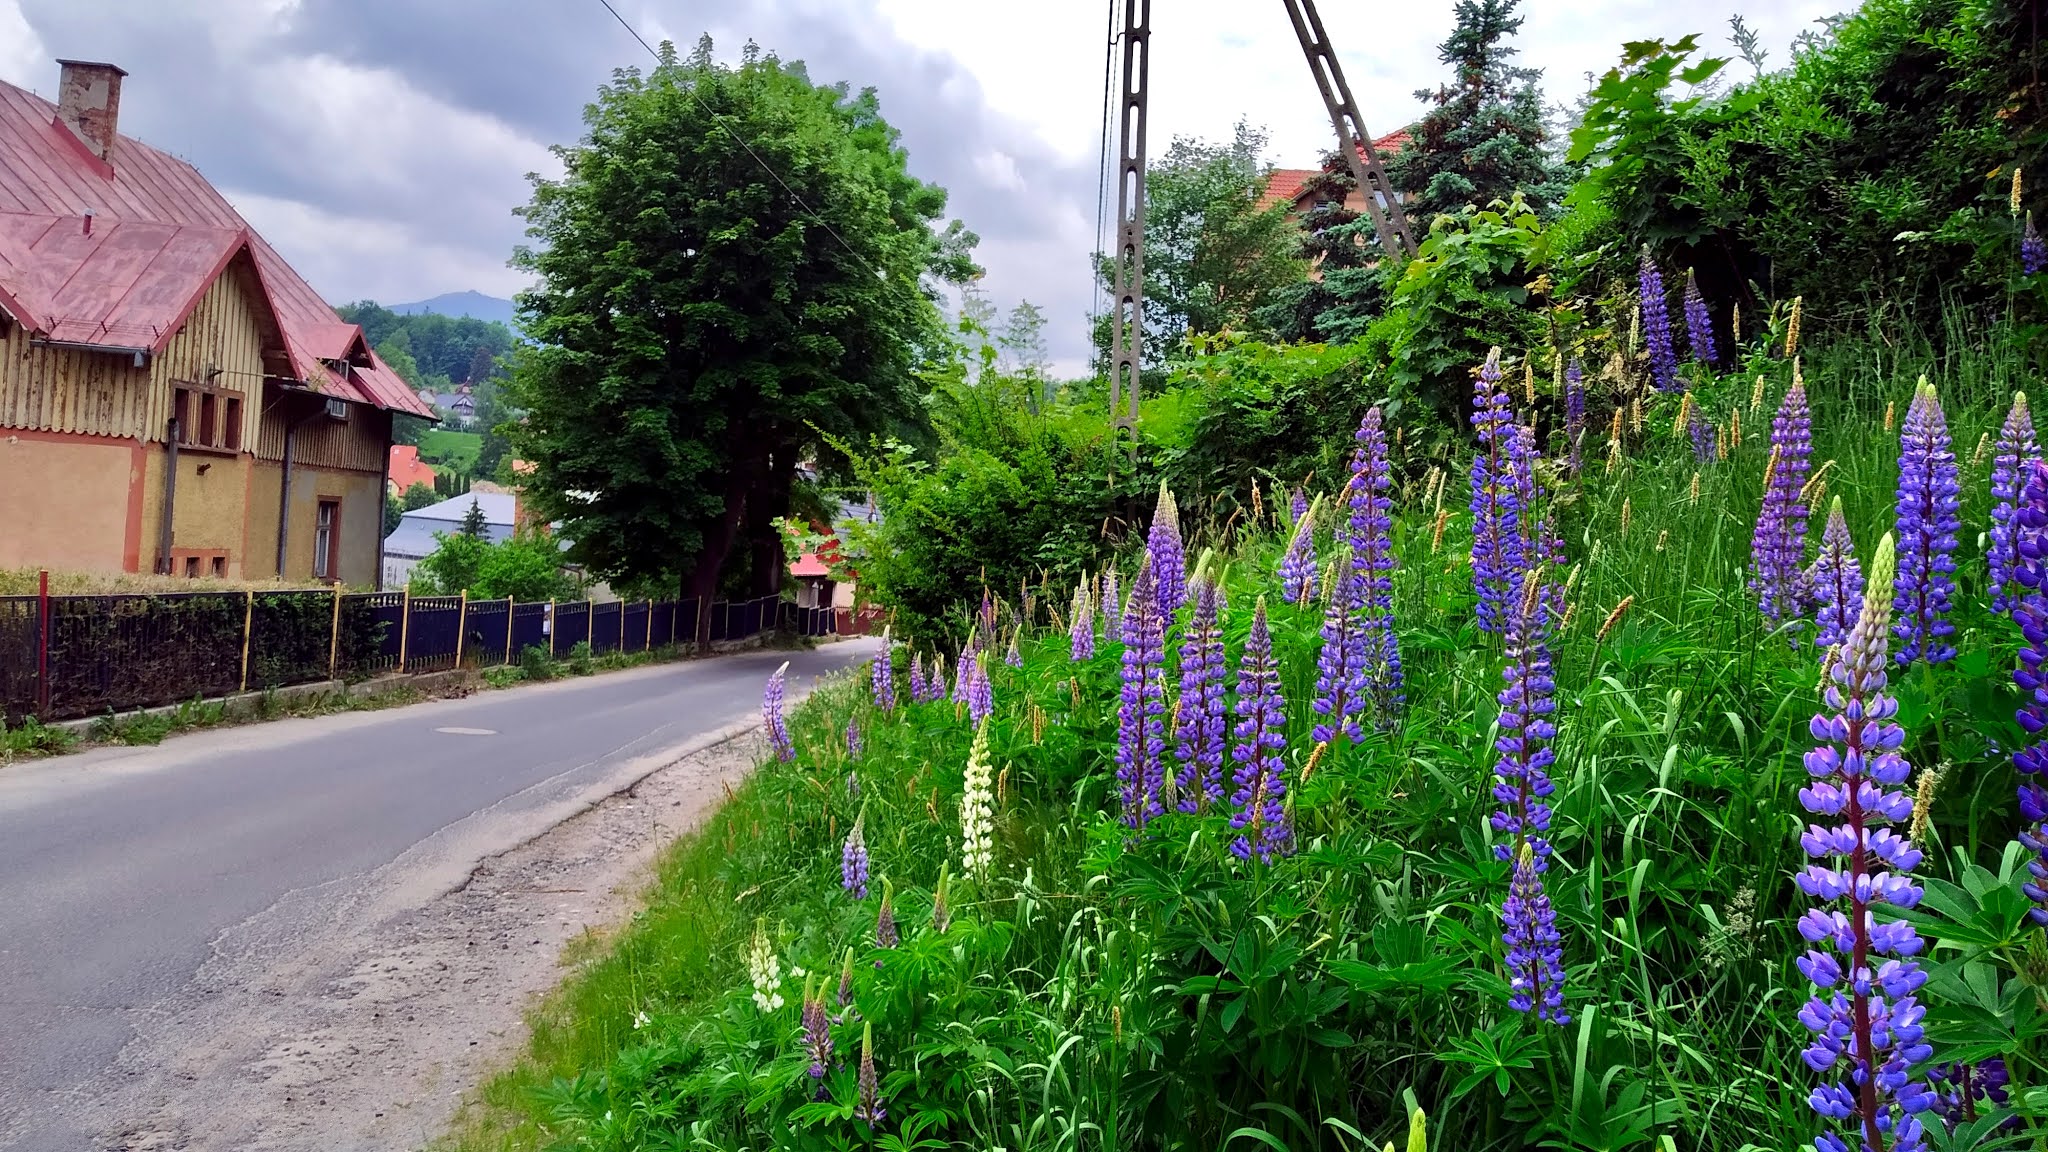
[
  {"x": 748, "y": 148},
  {"x": 1109, "y": 39}
]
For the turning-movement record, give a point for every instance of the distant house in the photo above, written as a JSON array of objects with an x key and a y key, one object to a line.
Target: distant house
[
  {"x": 173, "y": 396},
  {"x": 413, "y": 540},
  {"x": 1289, "y": 186},
  {"x": 407, "y": 469}
]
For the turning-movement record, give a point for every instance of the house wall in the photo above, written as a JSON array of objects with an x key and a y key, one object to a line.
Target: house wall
[{"x": 69, "y": 502}]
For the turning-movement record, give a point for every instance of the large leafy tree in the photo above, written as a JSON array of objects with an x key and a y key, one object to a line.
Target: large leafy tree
[
  {"x": 1214, "y": 253},
  {"x": 1348, "y": 290},
  {"x": 1483, "y": 139},
  {"x": 733, "y": 271}
]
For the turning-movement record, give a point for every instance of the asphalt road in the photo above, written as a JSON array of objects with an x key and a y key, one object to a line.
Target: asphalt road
[{"x": 122, "y": 870}]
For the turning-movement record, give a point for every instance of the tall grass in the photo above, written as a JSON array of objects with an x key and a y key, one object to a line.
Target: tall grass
[{"x": 1102, "y": 990}]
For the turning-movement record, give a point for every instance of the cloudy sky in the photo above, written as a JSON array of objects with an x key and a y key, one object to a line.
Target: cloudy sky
[{"x": 382, "y": 144}]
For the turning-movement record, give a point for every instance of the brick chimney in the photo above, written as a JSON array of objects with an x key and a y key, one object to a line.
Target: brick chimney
[{"x": 89, "y": 103}]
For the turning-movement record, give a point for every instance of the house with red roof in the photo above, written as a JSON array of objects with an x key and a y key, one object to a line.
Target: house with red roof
[
  {"x": 174, "y": 398},
  {"x": 407, "y": 469},
  {"x": 1289, "y": 186}
]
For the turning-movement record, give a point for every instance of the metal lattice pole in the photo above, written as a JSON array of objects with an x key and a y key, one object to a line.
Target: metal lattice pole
[
  {"x": 1127, "y": 308},
  {"x": 1381, "y": 204}
]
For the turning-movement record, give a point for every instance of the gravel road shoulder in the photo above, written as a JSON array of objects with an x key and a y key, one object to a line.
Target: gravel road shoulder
[{"x": 365, "y": 1025}]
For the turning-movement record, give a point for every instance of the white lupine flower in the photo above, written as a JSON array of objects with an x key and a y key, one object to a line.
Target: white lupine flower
[
  {"x": 764, "y": 970},
  {"x": 977, "y": 809}
]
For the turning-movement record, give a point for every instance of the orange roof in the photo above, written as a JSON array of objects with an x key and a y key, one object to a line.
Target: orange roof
[
  {"x": 407, "y": 469},
  {"x": 1284, "y": 185},
  {"x": 808, "y": 564},
  {"x": 46, "y": 171}
]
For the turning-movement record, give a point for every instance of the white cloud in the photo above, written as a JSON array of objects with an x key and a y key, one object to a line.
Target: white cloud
[
  {"x": 22, "y": 60},
  {"x": 368, "y": 257}
]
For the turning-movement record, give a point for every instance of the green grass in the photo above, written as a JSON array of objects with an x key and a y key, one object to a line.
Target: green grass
[
  {"x": 1104, "y": 990},
  {"x": 445, "y": 446}
]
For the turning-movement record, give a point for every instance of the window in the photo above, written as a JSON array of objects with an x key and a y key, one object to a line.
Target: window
[
  {"x": 181, "y": 411},
  {"x": 192, "y": 567},
  {"x": 220, "y": 567},
  {"x": 231, "y": 431},
  {"x": 325, "y": 523},
  {"x": 209, "y": 419}
]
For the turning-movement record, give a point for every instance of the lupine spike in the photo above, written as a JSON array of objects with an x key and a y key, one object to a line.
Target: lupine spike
[
  {"x": 884, "y": 678},
  {"x": 1836, "y": 581},
  {"x": 2033, "y": 249},
  {"x": 1498, "y": 558},
  {"x": 1199, "y": 722},
  {"x": 1778, "y": 546},
  {"x": 1523, "y": 787},
  {"x": 1081, "y": 637},
  {"x": 977, "y": 808},
  {"x": 886, "y": 935},
  {"x": 1298, "y": 565},
  {"x": 771, "y": 716},
  {"x": 1657, "y": 324},
  {"x": 2016, "y": 450},
  {"x": 1112, "y": 603},
  {"x": 1863, "y": 1011},
  {"x": 868, "y": 1109},
  {"x": 1575, "y": 416},
  {"x": 1141, "y": 733},
  {"x": 1382, "y": 683},
  {"x": 1930, "y": 487},
  {"x": 2029, "y": 598},
  {"x": 1260, "y": 815},
  {"x": 1699, "y": 323},
  {"x": 981, "y": 699},
  {"x": 853, "y": 860},
  {"x": 1168, "y": 556}
]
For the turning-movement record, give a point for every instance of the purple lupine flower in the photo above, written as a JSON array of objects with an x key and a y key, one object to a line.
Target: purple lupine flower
[
  {"x": 963, "y": 670},
  {"x": 935, "y": 680},
  {"x": 1198, "y": 728},
  {"x": 1958, "y": 1087},
  {"x": 853, "y": 743},
  {"x": 771, "y": 715},
  {"x": 1168, "y": 556},
  {"x": 1778, "y": 546},
  {"x": 869, "y": 1108},
  {"x": 2016, "y": 446},
  {"x": 853, "y": 862},
  {"x": 917, "y": 689},
  {"x": 1081, "y": 636},
  {"x": 884, "y": 680},
  {"x": 1523, "y": 787},
  {"x": 1014, "y": 658},
  {"x": 1657, "y": 324},
  {"x": 1298, "y": 566},
  {"x": 1574, "y": 415},
  {"x": 1112, "y": 604},
  {"x": 1705, "y": 437},
  {"x": 1261, "y": 736},
  {"x": 1863, "y": 1009},
  {"x": 1928, "y": 519},
  {"x": 2030, "y": 612},
  {"x": 1699, "y": 323},
  {"x": 1372, "y": 567},
  {"x": 985, "y": 620},
  {"x": 1498, "y": 557},
  {"x": 2033, "y": 250},
  {"x": 1340, "y": 663},
  {"x": 981, "y": 696},
  {"x": 1141, "y": 731},
  {"x": 1835, "y": 581},
  {"x": 817, "y": 1031},
  {"x": 1296, "y": 505}
]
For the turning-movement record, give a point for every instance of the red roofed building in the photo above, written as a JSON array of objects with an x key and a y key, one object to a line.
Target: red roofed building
[
  {"x": 1289, "y": 186},
  {"x": 173, "y": 396},
  {"x": 407, "y": 469}
]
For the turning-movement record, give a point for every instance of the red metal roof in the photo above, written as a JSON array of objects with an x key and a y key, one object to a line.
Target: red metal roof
[
  {"x": 120, "y": 285},
  {"x": 45, "y": 171}
]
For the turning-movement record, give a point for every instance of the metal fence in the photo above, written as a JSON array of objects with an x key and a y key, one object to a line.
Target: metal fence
[{"x": 63, "y": 657}]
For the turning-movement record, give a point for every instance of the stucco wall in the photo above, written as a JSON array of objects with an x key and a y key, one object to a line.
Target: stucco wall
[
  {"x": 65, "y": 503},
  {"x": 362, "y": 521}
]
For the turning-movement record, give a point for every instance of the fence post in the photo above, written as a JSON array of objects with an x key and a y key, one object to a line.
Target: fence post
[
  {"x": 334, "y": 636},
  {"x": 404, "y": 624},
  {"x": 248, "y": 618},
  {"x": 461, "y": 626},
  {"x": 554, "y": 626},
  {"x": 647, "y": 645},
  {"x": 43, "y": 645},
  {"x": 510, "y": 608},
  {"x": 675, "y": 623},
  {"x": 622, "y": 627}
]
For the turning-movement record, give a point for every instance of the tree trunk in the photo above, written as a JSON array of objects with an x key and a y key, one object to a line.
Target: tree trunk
[
  {"x": 769, "y": 561},
  {"x": 701, "y": 584}
]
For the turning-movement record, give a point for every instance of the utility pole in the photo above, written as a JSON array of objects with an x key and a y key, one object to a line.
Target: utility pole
[
  {"x": 1127, "y": 308},
  {"x": 1381, "y": 204}
]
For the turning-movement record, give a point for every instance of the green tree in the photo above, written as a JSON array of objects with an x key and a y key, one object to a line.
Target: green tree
[
  {"x": 474, "y": 525},
  {"x": 1214, "y": 255},
  {"x": 1348, "y": 291},
  {"x": 526, "y": 567},
  {"x": 709, "y": 311},
  {"x": 1483, "y": 140}
]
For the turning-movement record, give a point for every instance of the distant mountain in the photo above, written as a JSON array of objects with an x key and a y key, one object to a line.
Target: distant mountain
[{"x": 472, "y": 304}]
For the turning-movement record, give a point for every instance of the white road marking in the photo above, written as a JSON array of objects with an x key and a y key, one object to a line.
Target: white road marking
[{"x": 468, "y": 731}]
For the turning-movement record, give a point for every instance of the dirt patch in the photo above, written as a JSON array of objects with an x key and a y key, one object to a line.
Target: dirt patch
[{"x": 322, "y": 1037}]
